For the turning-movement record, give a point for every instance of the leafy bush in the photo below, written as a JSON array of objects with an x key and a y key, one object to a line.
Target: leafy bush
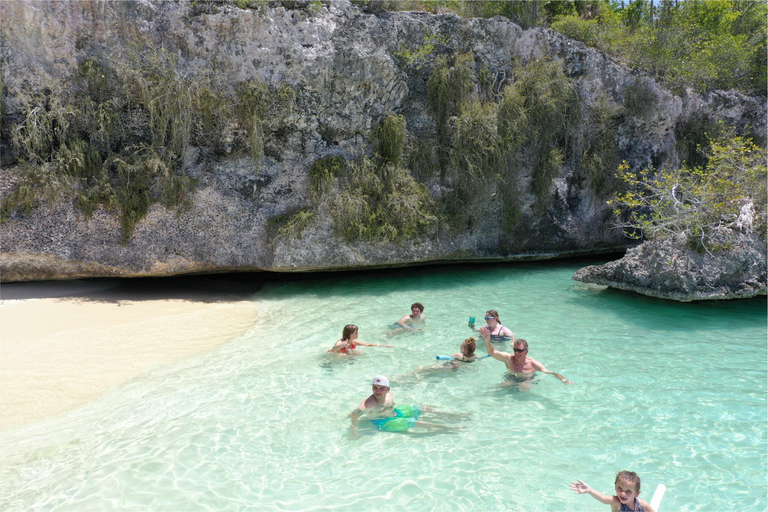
[{"x": 699, "y": 204}]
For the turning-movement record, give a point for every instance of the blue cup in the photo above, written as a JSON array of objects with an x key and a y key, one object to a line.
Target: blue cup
[{"x": 471, "y": 321}]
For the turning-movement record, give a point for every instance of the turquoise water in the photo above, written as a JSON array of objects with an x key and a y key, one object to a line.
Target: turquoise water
[{"x": 675, "y": 392}]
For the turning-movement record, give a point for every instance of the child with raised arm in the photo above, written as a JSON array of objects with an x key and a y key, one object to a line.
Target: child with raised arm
[
  {"x": 349, "y": 342},
  {"x": 627, "y": 486}
]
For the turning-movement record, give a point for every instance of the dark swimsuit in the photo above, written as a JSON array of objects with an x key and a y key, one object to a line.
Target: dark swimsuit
[
  {"x": 496, "y": 338},
  {"x": 638, "y": 507}
]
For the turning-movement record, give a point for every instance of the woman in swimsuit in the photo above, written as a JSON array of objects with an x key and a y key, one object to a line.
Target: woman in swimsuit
[
  {"x": 499, "y": 333},
  {"x": 467, "y": 353},
  {"x": 349, "y": 342}
]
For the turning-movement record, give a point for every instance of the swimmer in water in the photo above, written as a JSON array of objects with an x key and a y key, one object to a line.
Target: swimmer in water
[
  {"x": 466, "y": 354},
  {"x": 380, "y": 409},
  {"x": 499, "y": 333},
  {"x": 414, "y": 319},
  {"x": 348, "y": 343},
  {"x": 519, "y": 365},
  {"x": 627, "y": 487},
  {"x": 460, "y": 359}
]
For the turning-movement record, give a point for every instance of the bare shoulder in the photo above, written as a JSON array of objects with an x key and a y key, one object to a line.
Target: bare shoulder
[{"x": 368, "y": 403}]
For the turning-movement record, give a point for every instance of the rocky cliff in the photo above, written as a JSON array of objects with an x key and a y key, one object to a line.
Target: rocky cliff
[{"x": 238, "y": 108}]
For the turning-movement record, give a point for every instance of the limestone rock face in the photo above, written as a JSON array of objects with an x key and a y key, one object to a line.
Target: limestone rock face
[
  {"x": 342, "y": 65},
  {"x": 668, "y": 269}
]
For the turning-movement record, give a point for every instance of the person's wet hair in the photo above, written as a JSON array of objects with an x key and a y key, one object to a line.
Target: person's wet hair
[
  {"x": 493, "y": 313},
  {"x": 418, "y": 305},
  {"x": 348, "y": 331},
  {"x": 469, "y": 345},
  {"x": 521, "y": 341},
  {"x": 629, "y": 476}
]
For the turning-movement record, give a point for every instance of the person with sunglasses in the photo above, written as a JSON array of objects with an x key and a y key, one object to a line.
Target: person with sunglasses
[
  {"x": 520, "y": 366},
  {"x": 499, "y": 333}
]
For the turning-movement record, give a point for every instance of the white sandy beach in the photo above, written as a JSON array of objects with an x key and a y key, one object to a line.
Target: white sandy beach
[{"x": 58, "y": 352}]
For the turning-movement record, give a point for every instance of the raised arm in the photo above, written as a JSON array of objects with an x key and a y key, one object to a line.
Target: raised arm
[
  {"x": 540, "y": 368},
  {"x": 496, "y": 354},
  {"x": 580, "y": 487}
]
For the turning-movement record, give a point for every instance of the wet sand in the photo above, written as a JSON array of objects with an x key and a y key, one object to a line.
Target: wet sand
[{"x": 65, "y": 343}]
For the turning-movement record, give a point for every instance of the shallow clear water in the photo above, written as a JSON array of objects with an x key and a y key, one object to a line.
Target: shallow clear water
[{"x": 675, "y": 392}]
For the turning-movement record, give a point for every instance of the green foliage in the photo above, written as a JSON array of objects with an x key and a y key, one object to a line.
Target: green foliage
[
  {"x": 380, "y": 203},
  {"x": 20, "y": 200},
  {"x": 251, "y": 4},
  {"x": 599, "y": 26},
  {"x": 212, "y": 106},
  {"x": 476, "y": 156},
  {"x": 133, "y": 194},
  {"x": 88, "y": 200},
  {"x": 537, "y": 115},
  {"x": 45, "y": 127},
  {"x": 93, "y": 80},
  {"x": 315, "y": 6},
  {"x": 262, "y": 110},
  {"x": 323, "y": 173},
  {"x": 388, "y": 139},
  {"x": 600, "y": 153},
  {"x": 639, "y": 98},
  {"x": 693, "y": 136},
  {"x": 177, "y": 192},
  {"x": 700, "y": 205},
  {"x": 451, "y": 84},
  {"x": 421, "y": 158},
  {"x": 705, "y": 45},
  {"x": 166, "y": 95},
  {"x": 197, "y": 7},
  {"x": 586, "y": 31},
  {"x": 420, "y": 56},
  {"x": 291, "y": 226}
]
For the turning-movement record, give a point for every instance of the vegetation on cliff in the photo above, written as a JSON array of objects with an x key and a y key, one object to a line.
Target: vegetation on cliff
[
  {"x": 704, "y": 45},
  {"x": 116, "y": 135},
  {"x": 705, "y": 207}
]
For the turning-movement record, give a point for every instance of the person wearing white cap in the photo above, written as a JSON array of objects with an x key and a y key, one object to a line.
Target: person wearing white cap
[{"x": 381, "y": 411}]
